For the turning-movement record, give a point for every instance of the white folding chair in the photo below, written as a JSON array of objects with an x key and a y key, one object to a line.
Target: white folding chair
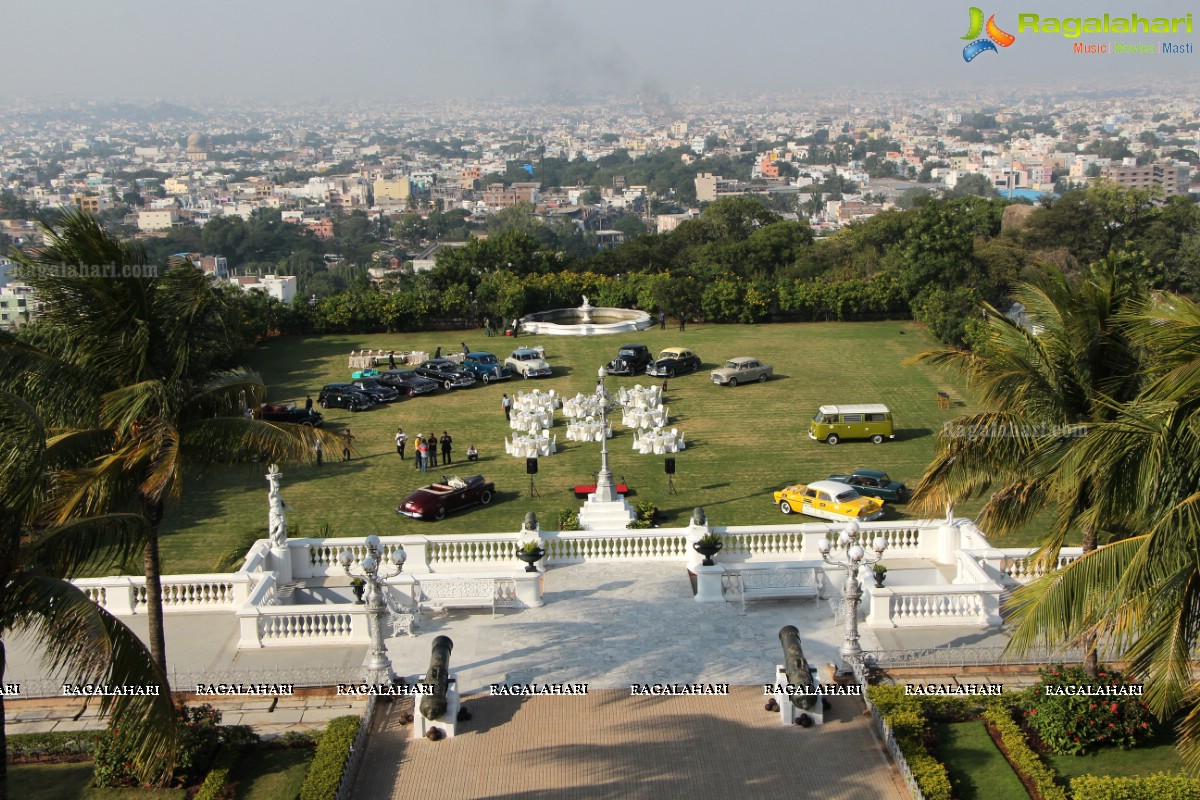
[{"x": 680, "y": 444}]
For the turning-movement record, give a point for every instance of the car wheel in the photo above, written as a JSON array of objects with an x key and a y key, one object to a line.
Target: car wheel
[
  {"x": 877, "y": 439},
  {"x": 448, "y": 385},
  {"x": 412, "y": 392},
  {"x": 785, "y": 506},
  {"x": 440, "y": 513},
  {"x": 762, "y": 378},
  {"x": 832, "y": 438},
  {"x": 484, "y": 377},
  {"x": 733, "y": 381},
  {"x": 670, "y": 373},
  {"x": 486, "y": 497},
  {"x": 355, "y": 407},
  {"x": 307, "y": 423}
]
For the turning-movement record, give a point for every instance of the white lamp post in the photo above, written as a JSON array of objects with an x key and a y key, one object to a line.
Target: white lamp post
[
  {"x": 606, "y": 487},
  {"x": 378, "y": 666},
  {"x": 851, "y": 556}
]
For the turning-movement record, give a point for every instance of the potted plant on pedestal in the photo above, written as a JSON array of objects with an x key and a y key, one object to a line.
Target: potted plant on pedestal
[
  {"x": 358, "y": 586},
  {"x": 880, "y": 574},
  {"x": 708, "y": 546},
  {"x": 531, "y": 552}
]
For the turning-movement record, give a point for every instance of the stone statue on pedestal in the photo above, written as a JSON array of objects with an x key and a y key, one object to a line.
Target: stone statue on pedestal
[{"x": 277, "y": 523}]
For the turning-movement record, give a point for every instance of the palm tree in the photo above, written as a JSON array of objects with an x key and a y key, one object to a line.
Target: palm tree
[
  {"x": 1040, "y": 385},
  {"x": 1143, "y": 593},
  {"x": 78, "y": 638},
  {"x": 138, "y": 355}
]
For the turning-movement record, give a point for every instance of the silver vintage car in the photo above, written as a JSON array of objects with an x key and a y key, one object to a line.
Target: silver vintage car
[{"x": 741, "y": 370}]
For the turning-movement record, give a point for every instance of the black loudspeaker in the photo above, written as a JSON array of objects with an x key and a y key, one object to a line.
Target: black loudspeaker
[
  {"x": 531, "y": 466},
  {"x": 669, "y": 464}
]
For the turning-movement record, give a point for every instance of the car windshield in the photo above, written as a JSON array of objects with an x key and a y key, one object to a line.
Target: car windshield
[
  {"x": 667, "y": 354},
  {"x": 819, "y": 418},
  {"x": 848, "y": 496},
  {"x": 627, "y": 353},
  {"x": 371, "y": 384},
  {"x": 528, "y": 356},
  {"x": 486, "y": 359},
  {"x": 733, "y": 365}
]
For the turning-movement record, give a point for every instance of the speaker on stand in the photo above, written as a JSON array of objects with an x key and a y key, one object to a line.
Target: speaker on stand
[
  {"x": 531, "y": 468},
  {"x": 669, "y": 467}
]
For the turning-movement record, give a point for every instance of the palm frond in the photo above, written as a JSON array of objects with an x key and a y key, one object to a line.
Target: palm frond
[
  {"x": 88, "y": 644},
  {"x": 72, "y": 548}
]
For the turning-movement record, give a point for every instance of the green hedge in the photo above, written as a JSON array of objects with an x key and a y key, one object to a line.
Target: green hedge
[
  {"x": 22, "y": 746},
  {"x": 906, "y": 716},
  {"x": 213, "y": 787},
  {"x": 1024, "y": 760},
  {"x": 329, "y": 763},
  {"x": 1162, "y": 786}
]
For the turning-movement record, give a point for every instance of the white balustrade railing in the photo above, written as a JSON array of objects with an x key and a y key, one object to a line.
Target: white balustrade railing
[
  {"x": 126, "y": 594},
  {"x": 924, "y": 606},
  {"x": 1019, "y": 565}
]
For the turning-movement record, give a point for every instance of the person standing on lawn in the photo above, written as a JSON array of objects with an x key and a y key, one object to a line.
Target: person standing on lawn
[
  {"x": 349, "y": 437},
  {"x": 447, "y": 442},
  {"x": 506, "y": 403},
  {"x": 431, "y": 444},
  {"x": 401, "y": 440},
  {"x": 319, "y": 449}
]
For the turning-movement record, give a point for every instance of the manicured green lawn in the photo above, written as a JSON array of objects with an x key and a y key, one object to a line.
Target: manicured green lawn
[
  {"x": 978, "y": 770},
  {"x": 72, "y": 781},
  {"x": 272, "y": 774},
  {"x": 1157, "y": 755},
  {"x": 743, "y": 442}
]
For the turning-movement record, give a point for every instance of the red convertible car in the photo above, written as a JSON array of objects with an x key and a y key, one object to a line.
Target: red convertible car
[{"x": 437, "y": 499}]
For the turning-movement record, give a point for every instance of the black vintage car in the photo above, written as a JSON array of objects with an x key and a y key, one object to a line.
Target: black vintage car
[
  {"x": 631, "y": 360},
  {"x": 290, "y": 412},
  {"x": 379, "y": 392},
  {"x": 343, "y": 395},
  {"x": 406, "y": 382},
  {"x": 445, "y": 372}
]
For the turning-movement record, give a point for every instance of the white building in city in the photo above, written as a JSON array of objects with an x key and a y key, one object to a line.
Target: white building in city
[{"x": 281, "y": 287}]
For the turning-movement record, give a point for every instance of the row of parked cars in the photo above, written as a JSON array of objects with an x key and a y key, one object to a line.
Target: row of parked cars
[{"x": 372, "y": 387}]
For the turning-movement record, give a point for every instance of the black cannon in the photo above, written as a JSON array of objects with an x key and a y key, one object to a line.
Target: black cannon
[
  {"x": 798, "y": 674},
  {"x": 433, "y": 705}
]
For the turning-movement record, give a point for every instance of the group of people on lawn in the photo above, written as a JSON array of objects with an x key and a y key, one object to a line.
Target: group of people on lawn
[{"x": 426, "y": 449}]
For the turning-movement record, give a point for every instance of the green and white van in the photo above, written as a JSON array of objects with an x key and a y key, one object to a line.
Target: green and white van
[{"x": 834, "y": 423}]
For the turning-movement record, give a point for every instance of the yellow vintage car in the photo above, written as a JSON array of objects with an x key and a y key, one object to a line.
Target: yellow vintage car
[{"x": 829, "y": 500}]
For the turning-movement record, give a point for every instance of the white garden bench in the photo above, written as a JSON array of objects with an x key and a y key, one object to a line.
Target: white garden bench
[
  {"x": 439, "y": 594},
  {"x": 777, "y": 582}
]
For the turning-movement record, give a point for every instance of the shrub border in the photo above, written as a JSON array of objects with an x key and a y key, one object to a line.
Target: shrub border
[
  {"x": 1038, "y": 777},
  {"x": 329, "y": 763}
]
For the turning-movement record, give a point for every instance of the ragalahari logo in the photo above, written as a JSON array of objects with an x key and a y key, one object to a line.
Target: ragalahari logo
[{"x": 995, "y": 36}]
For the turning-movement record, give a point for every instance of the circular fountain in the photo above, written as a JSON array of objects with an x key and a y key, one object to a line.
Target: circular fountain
[{"x": 586, "y": 320}]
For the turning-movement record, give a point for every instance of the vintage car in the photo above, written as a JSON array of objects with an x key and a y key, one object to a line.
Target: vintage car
[
  {"x": 379, "y": 392},
  {"x": 875, "y": 483},
  {"x": 673, "y": 361},
  {"x": 436, "y": 500},
  {"x": 742, "y": 370},
  {"x": 829, "y": 500},
  {"x": 631, "y": 360},
  {"x": 290, "y": 412},
  {"x": 407, "y": 382},
  {"x": 448, "y": 374},
  {"x": 343, "y": 395},
  {"x": 485, "y": 367},
  {"x": 527, "y": 363}
]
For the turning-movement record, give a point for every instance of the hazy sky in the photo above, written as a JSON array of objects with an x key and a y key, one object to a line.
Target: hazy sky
[{"x": 304, "y": 49}]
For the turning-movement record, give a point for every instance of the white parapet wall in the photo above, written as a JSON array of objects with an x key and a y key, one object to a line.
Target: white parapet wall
[{"x": 982, "y": 573}]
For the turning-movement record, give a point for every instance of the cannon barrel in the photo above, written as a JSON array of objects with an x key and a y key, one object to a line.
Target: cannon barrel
[
  {"x": 433, "y": 705},
  {"x": 796, "y": 667}
]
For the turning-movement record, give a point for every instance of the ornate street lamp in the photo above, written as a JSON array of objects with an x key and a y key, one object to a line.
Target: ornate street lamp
[
  {"x": 606, "y": 487},
  {"x": 851, "y": 556},
  {"x": 379, "y": 666}
]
